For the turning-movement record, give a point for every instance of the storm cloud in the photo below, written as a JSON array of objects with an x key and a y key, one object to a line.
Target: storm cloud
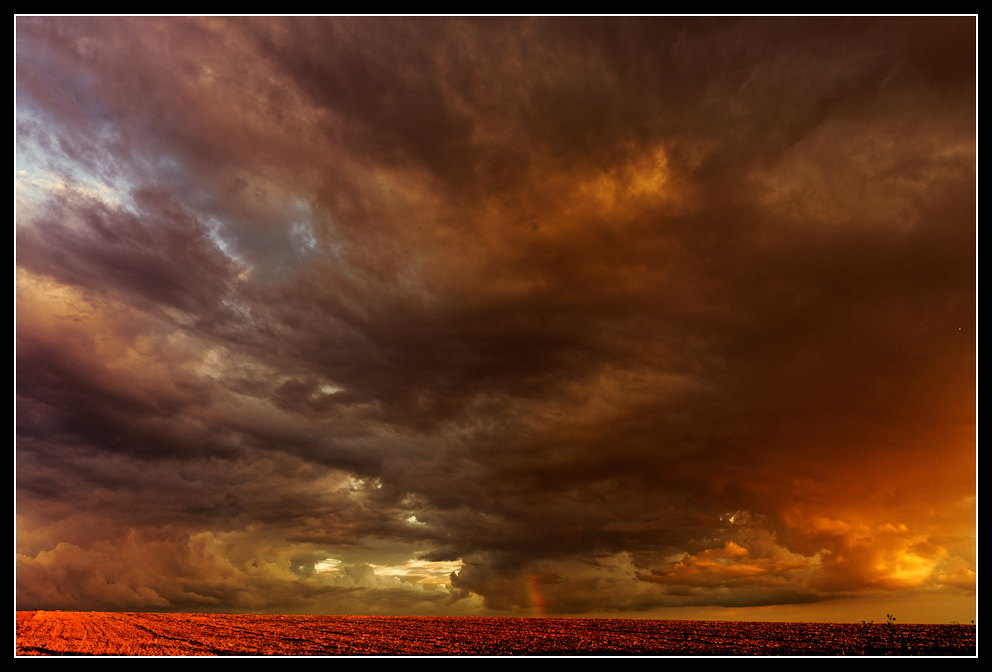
[{"x": 497, "y": 316}]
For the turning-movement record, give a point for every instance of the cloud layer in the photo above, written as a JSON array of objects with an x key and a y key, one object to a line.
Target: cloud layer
[{"x": 552, "y": 316}]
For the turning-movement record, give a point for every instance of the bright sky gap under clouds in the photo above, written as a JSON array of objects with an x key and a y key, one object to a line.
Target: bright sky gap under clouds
[{"x": 613, "y": 317}]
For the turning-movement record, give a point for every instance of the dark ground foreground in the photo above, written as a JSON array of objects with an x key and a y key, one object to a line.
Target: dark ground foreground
[{"x": 64, "y": 633}]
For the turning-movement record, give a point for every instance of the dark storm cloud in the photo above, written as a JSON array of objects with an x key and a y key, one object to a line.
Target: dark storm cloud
[
  {"x": 160, "y": 254},
  {"x": 621, "y": 313}
]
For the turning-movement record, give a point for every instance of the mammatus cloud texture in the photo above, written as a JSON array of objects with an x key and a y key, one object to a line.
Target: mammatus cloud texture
[{"x": 502, "y": 316}]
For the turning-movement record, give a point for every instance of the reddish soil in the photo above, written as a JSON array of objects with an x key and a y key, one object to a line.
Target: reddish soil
[{"x": 64, "y": 633}]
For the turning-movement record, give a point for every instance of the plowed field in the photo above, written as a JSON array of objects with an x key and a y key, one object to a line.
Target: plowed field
[{"x": 93, "y": 633}]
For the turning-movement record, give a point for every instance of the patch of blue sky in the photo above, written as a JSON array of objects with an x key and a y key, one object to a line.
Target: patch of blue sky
[
  {"x": 278, "y": 237},
  {"x": 37, "y": 185},
  {"x": 214, "y": 228},
  {"x": 70, "y": 112},
  {"x": 301, "y": 232},
  {"x": 43, "y": 167}
]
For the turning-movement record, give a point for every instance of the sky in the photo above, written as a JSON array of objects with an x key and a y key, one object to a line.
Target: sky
[{"x": 581, "y": 317}]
